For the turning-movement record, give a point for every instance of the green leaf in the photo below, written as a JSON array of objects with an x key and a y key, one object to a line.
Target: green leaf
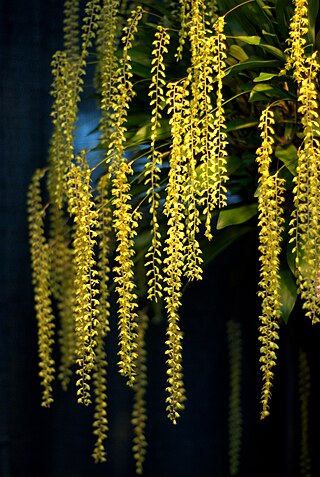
[
  {"x": 241, "y": 123},
  {"x": 288, "y": 293},
  {"x": 291, "y": 258},
  {"x": 236, "y": 215},
  {"x": 288, "y": 155},
  {"x": 143, "y": 134},
  {"x": 275, "y": 51},
  {"x": 313, "y": 7},
  {"x": 283, "y": 16},
  {"x": 264, "y": 77},
  {"x": 263, "y": 92},
  {"x": 250, "y": 40},
  {"x": 251, "y": 64},
  {"x": 237, "y": 52}
]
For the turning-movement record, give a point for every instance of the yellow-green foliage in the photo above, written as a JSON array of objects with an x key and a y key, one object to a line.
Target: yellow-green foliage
[
  {"x": 193, "y": 259},
  {"x": 297, "y": 38},
  {"x": 86, "y": 308},
  {"x": 182, "y": 196},
  {"x": 305, "y": 224},
  {"x": 71, "y": 28},
  {"x": 184, "y": 8},
  {"x": 61, "y": 284},
  {"x": 304, "y": 397},
  {"x": 64, "y": 115},
  {"x": 40, "y": 260},
  {"x": 212, "y": 10},
  {"x": 174, "y": 250},
  {"x": 68, "y": 68},
  {"x": 104, "y": 229},
  {"x": 125, "y": 221},
  {"x": 152, "y": 168},
  {"x": 66, "y": 333},
  {"x": 271, "y": 188},
  {"x": 234, "y": 334},
  {"x": 108, "y": 63},
  {"x": 139, "y": 411},
  {"x": 208, "y": 64}
]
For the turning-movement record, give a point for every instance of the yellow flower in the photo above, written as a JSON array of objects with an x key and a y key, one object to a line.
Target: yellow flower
[
  {"x": 153, "y": 164},
  {"x": 86, "y": 309},
  {"x": 40, "y": 261},
  {"x": 270, "y": 199}
]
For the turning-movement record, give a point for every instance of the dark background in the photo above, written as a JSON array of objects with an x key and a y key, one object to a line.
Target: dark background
[{"x": 37, "y": 442}]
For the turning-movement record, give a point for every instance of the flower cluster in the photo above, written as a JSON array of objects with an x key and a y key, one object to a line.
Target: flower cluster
[
  {"x": 297, "y": 39},
  {"x": 90, "y": 229},
  {"x": 104, "y": 232},
  {"x": 193, "y": 259},
  {"x": 125, "y": 221},
  {"x": 153, "y": 165},
  {"x": 108, "y": 63},
  {"x": 71, "y": 27},
  {"x": 270, "y": 199},
  {"x": 61, "y": 284},
  {"x": 86, "y": 308},
  {"x": 40, "y": 260},
  {"x": 305, "y": 223},
  {"x": 174, "y": 249},
  {"x": 184, "y": 12}
]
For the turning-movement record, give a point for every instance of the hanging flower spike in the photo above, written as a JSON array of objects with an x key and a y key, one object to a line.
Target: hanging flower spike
[
  {"x": 125, "y": 221},
  {"x": 216, "y": 160},
  {"x": 271, "y": 189},
  {"x": 104, "y": 231},
  {"x": 193, "y": 259},
  {"x": 174, "y": 249},
  {"x": 298, "y": 29},
  {"x": 67, "y": 332},
  {"x": 305, "y": 223},
  {"x": 61, "y": 284},
  {"x": 71, "y": 28},
  {"x": 184, "y": 13},
  {"x": 40, "y": 261},
  {"x": 107, "y": 61},
  {"x": 86, "y": 310},
  {"x": 154, "y": 162}
]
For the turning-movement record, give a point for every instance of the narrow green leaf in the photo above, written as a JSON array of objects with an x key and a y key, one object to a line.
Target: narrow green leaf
[
  {"x": 238, "y": 53},
  {"x": 241, "y": 123},
  {"x": 264, "y": 77},
  {"x": 274, "y": 51},
  {"x": 251, "y": 64},
  {"x": 250, "y": 40},
  {"x": 263, "y": 92},
  {"x": 288, "y": 293},
  {"x": 283, "y": 12},
  {"x": 288, "y": 155},
  {"x": 236, "y": 215},
  {"x": 291, "y": 258},
  {"x": 143, "y": 134},
  {"x": 313, "y": 6}
]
